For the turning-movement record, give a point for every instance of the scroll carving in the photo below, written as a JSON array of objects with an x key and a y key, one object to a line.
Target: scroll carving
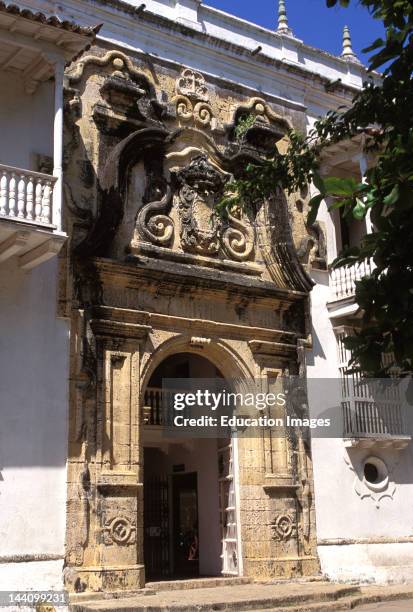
[
  {"x": 192, "y": 98},
  {"x": 201, "y": 112},
  {"x": 238, "y": 239},
  {"x": 156, "y": 227}
]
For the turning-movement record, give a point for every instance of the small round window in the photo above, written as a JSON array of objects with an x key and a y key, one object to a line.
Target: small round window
[
  {"x": 376, "y": 474},
  {"x": 371, "y": 473}
]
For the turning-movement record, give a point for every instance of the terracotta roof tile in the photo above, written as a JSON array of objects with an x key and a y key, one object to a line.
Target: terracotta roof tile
[{"x": 69, "y": 26}]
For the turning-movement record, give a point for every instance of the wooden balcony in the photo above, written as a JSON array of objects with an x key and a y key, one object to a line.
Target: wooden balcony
[
  {"x": 26, "y": 213},
  {"x": 372, "y": 417}
]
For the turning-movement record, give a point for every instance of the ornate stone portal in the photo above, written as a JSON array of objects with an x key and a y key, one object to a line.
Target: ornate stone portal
[{"x": 151, "y": 271}]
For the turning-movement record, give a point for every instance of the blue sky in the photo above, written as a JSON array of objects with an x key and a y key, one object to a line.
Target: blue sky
[{"x": 310, "y": 20}]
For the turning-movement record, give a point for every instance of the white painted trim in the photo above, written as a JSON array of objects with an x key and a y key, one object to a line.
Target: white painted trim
[{"x": 235, "y": 460}]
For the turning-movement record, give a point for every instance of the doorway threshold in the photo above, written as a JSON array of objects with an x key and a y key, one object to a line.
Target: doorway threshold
[{"x": 202, "y": 582}]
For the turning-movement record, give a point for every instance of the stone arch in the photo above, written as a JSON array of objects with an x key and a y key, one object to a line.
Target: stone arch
[{"x": 219, "y": 353}]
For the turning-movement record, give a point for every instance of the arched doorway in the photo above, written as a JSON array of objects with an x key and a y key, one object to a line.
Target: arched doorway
[{"x": 190, "y": 526}]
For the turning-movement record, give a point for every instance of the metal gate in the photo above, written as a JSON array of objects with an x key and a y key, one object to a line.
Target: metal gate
[{"x": 156, "y": 528}]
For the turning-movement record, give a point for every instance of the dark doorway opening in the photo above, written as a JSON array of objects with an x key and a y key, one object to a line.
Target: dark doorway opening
[
  {"x": 185, "y": 525},
  {"x": 156, "y": 528}
]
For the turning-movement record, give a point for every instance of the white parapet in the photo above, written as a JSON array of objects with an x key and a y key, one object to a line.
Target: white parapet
[
  {"x": 26, "y": 195},
  {"x": 343, "y": 280}
]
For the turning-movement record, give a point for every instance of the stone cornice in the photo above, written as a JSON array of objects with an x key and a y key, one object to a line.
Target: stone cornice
[
  {"x": 280, "y": 339},
  {"x": 287, "y": 72},
  {"x": 145, "y": 272}
]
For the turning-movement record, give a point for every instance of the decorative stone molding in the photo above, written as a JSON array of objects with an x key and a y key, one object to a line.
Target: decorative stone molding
[
  {"x": 121, "y": 63},
  {"x": 385, "y": 486},
  {"x": 119, "y": 530},
  {"x": 200, "y": 342},
  {"x": 284, "y": 527},
  {"x": 192, "y": 85},
  {"x": 192, "y": 97},
  {"x": 201, "y": 112},
  {"x": 155, "y": 227},
  {"x": 201, "y": 186}
]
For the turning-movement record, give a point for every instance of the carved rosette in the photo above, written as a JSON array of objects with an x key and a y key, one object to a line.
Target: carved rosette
[
  {"x": 284, "y": 527},
  {"x": 119, "y": 530}
]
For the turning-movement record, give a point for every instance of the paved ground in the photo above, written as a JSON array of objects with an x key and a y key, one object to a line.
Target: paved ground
[
  {"x": 295, "y": 597},
  {"x": 389, "y": 606}
]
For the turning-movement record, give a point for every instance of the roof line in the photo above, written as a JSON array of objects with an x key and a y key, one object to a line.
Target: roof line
[{"x": 53, "y": 21}]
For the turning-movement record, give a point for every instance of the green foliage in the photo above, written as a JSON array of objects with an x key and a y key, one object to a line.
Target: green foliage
[
  {"x": 243, "y": 125},
  {"x": 383, "y": 112}
]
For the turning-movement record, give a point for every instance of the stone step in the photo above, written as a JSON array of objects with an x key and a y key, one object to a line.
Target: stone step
[
  {"x": 195, "y": 583},
  {"x": 317, "y": 597},
  {"x": 224, "y": 598},
  {"x": 345, "y": 603}
]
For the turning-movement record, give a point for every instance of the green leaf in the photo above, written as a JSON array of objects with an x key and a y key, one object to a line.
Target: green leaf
[
  {"x": 379, "y": 42},
  {"x": 340, "y": 186},
  {"x": 314, "y": 205},
  {"x": 340, "y": 203},
  {"x": 392, "y": 197},
  {"x": 359, "y": 211}
]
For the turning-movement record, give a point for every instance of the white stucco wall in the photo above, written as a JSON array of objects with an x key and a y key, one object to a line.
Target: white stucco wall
[
  {"x": 26, "y": 122},
  {"x": 33, "y": 428},
  {"x": 361, "y": 537},
  {"x": 33, "y": 344}
]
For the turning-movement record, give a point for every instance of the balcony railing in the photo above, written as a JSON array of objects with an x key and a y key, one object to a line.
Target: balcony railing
[
  {"x": 364, "y": 419},
  {"x": 371, "y": 408},
  {"x": 158, "y": 406},
  {"x": 343, "y": 280},
  {"x": 26, "y": 196}
]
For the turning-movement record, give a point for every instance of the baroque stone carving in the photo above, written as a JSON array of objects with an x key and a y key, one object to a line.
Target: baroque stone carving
[
  {"x": 267, "y": 128},
  {"x": 200, "y": 112},
  {"x": 192, "y": 85},
  {"x": 200, "y": 342},
  {"x": 262, "y": 110},
  {"x": 284, "y": 527},
  {"x": 119, "y": 60},
  {"x": 156, "y": 227},
  {"x": 201, "y": 186},
  {"x": 192, "y": 97},
  {"x": 238, "y": 238},
  {"x": 119, "y": 530},
  {"x": 316, "y": 242}
]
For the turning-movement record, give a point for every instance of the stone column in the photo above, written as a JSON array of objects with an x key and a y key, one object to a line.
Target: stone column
[
  {"x": 58, "y": 143},
  {"x": 105, "y": 513},
  {"x": 276, "y": 501}
]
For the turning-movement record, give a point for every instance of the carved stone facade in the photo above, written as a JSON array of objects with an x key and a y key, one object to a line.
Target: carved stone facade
[{"x": 153, "y": 271}]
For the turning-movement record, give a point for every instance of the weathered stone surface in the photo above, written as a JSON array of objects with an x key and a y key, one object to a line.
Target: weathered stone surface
[{"x": 153, "y": 271}]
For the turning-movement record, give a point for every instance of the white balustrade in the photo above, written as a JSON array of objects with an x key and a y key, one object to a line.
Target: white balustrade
[
  {"x": 343, "y": 280},
  {"x": 26, "y": 195}
]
